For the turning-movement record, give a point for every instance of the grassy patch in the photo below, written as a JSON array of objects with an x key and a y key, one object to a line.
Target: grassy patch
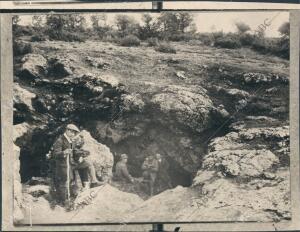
[{"x": 165, "y": 48}]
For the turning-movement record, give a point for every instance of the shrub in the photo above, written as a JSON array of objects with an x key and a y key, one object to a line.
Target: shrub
[
  {"x": 217, "y": 35},
  {"x": 195, "y": 42},
  {"x": 176, "y": 37},
  {"x": 21, "y": 48},
  {"x": 206, "y": 39},
  {"x": 246, "y": 39},
  {"x": 279, "y": 47},
  {"x": 38, "y": 37},
  {"x": 259, "y": 44},
  {"x": 110, "y": 39},
  {"x": 130, "y": 41},
  {"x": 230, "y": 42},
  {"x": 66, "y": 36},
  {"x": 152, "y": 42},
  {"x": 283, "y": 48},
  {"x": 165, "y": 48},
  {"x": 22, "y": 30}
]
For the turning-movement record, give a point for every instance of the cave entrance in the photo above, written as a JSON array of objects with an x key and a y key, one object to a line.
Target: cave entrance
[
  {"x": 33, "y": 150},
  {"x": 138, "y": 149}
]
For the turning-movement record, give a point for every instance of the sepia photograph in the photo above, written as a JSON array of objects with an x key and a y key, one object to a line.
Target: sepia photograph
[{"x": 151, "y": 117}]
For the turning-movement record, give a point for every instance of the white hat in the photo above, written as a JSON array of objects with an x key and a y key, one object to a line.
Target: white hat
[
  {"x": 124, "y": 156},
  {"x": 72, "y": 127}
]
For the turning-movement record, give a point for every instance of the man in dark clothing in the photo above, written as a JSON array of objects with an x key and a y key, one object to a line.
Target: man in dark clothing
[
  {"x": 150, "y": 169},
  {"x": 163, "y": 180},
  {"x": 121, "y": 173},
  {"x": 62, "y": 151},
  {"x": 68, "y": 156}
]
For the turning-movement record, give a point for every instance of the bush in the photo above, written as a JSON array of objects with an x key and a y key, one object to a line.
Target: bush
[
  {"x": 206, "y": 39},
  {"x": 110, "y": 39},
  {"x": 66, "y": 36},
  {"x": 130, "y": 41},
  {"x": 230, "y": 42},
  {"x": 38, "y": 38},
  {"x": 259, "y": 44},
  {"x": 22, "y": 30},
  {"x": 279, "y": 47},
  {"x": 165, "y": 48},
  {"x": 21, "y": 48},
  {"x": 152, "y": 42},
  {"x": 247, "y": 39},
  {"x": 283, "y": 48},
  {"x": 195, "y": 42},
  {"x": 218, "y": 35}
]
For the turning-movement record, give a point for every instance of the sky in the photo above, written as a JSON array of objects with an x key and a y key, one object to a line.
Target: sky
[{"x": 218, "y": 20}]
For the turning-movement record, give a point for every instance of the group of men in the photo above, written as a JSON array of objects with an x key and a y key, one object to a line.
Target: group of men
[
  {"x": 70, "y": 162},
  {"x": 155, "y": 173}
]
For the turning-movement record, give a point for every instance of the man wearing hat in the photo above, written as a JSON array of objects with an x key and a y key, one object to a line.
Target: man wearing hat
[
  {"x": 63, "y": 152},
  {"x": 121, "y": 173}
]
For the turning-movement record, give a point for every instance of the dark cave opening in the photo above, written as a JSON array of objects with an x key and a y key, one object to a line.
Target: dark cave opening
[{"x": 33, "y": 162}]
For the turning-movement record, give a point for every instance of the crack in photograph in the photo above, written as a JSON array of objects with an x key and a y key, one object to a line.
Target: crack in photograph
[{"x": 151, "y": 117}]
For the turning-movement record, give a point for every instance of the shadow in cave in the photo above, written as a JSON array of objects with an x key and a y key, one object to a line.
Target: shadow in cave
[
  {"x": 178, "y": 175},
  {"x": 33, "y": 150}
]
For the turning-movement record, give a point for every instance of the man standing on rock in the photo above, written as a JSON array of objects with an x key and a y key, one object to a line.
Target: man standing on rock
[{"x": 121, "y": 173}]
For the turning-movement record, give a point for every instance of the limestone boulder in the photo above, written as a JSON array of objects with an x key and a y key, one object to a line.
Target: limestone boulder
[
  {"x": 33, "y": 66},
  {"x": 190, "y": 107},
  {"x": 133, "y": 102},
  {"x": 61, "y": 66},
  {"x": 100, "y": 154},
  {"x": 20, "y": 130},
  {"x": 235, "y": 94},
  {"x": 224, "y": 198},
  {"x": 97, "y": 62},
  {"x": 241, "y": 163},
  {"x": 275, "y": 133},
  {"x": 274, "y": 139},
  {"x": 254, "y": 78},
  {"x": 22, "y": 97}
]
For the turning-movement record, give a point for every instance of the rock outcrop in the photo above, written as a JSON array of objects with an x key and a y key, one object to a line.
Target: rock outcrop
[
  {"x": 103, "y": 204},
  {"x": 241, "y": 163},
  {"x": 20, "y": 130},
  {"x": 100, "y": 154},
  {"x": 187, "y": 106},
  {"x": 61, "y": 66},
  {"x": 34, "y": 66},
  {"x": 250, "y": 201},
  {"x": 252, "y": 78},
  {"x": 248, "y": 164},
  {"x": 22, "y": 97}
]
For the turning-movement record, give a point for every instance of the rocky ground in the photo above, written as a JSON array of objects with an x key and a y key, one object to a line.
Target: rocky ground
[{"x": 219, "y": 116}]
